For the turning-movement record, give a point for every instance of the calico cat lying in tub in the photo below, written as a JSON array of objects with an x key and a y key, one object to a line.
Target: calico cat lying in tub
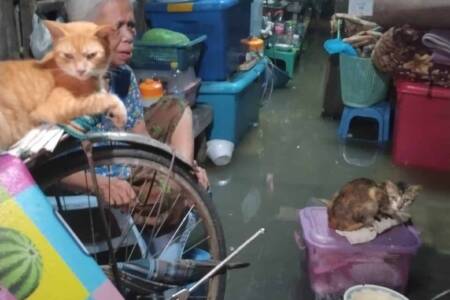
[{"x": 362, "y": 201}]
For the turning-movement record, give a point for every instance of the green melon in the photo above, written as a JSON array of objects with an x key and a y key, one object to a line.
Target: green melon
[
  {"x": 161, "y": 36},
  {"x": 20, "y": 263}
]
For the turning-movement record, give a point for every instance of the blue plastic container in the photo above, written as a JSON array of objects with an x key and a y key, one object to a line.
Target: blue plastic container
[
  {"x": 235, "y": 102},
  {"x": 224, "y": 22}
]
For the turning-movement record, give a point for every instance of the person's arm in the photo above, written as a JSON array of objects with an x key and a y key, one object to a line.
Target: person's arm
[
  {"x": 115, "y": 191},
  {"x": 135, "y": 109},
  {"x": 139, "y": 128}
]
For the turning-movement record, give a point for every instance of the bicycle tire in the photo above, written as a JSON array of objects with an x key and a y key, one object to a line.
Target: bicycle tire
[{"x": 64, "y": 163}]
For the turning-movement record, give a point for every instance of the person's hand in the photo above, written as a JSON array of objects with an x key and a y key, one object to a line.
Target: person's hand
[
  {"x": 116, "y": 192},
  {"x": 201, "y": 175}
]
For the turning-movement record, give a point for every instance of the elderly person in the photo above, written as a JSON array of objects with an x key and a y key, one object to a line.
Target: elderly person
[{"x": 169, "y": 121}]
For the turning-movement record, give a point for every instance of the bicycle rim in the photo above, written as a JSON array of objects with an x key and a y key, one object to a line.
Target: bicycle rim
[{"x": 50, "y": 177}]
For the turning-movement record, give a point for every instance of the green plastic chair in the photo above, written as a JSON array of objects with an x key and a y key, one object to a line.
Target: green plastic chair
[{"x": 288, "y": 57}]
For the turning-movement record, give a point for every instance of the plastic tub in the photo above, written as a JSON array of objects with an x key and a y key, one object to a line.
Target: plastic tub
[
  {"x": 159, "y": 57},
  {"x": 334, "y": 265},
  {"x": 421, "y": 129},
  {"x": 361, "y": 84},
  {"x": 189, "y": 92},
  {"x": 351, "y": 293},
  {"x": 224, "y": 23},
  {"x": 186, "y": 82},
  {"x": 235, "y": 102}
]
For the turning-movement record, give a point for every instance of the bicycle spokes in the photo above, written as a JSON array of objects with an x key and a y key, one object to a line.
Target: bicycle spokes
[{"x": 168, "y": 224}]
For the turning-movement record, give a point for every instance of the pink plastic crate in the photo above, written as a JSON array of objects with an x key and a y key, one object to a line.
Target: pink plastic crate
[
  {"x": 422, "y": 126},
  {"x": 334, "y": 264}
]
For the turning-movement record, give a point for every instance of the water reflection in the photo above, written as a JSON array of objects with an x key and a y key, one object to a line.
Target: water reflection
[
  {"x": 359, "y": 153},
  {"x": 250, "y": 205}
]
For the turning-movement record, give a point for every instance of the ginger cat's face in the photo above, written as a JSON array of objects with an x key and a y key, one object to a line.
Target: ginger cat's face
[{"x": 81, "y": 49}]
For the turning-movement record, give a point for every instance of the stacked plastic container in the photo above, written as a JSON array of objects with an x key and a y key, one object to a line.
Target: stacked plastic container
[
  {"x": 224, "y": 22},
  {"x": 335, "y": 265},
  {"x": 234, "y": 96},
  {"x": 422, "y": 126},
  {"x": 235, "y": 102}
]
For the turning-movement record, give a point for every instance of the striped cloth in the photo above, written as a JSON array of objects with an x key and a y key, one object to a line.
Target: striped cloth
[
  {"x": 80, "y": 126},
  {"x": 46, "y": 137}
]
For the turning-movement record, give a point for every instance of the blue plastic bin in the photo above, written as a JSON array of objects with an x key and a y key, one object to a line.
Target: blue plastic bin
[
  {"x": 224, "y": 22},
  {"x": 235, "y": 103}
]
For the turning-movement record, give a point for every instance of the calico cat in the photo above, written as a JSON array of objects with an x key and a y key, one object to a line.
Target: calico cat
[
  {"x": 67, "y": 83},
  {"x": 361, "y": 201}
]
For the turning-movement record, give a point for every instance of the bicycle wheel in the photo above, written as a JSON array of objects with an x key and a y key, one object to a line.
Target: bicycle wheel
[{"x": 182, "y": 219}]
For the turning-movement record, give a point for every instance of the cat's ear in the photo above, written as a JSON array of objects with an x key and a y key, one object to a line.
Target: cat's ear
[
  {"x": 391, "y": 188},
  {"x": 375, "y": 193},
  {"x": 109, "y": 34},
  {"x": 47, "y": 58},
  {"x": 413, "y": 190},
  {"x": 56, "y": 29}
]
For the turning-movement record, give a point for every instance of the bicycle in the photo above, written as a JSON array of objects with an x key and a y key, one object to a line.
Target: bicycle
[{"x": 181, "y": 235}]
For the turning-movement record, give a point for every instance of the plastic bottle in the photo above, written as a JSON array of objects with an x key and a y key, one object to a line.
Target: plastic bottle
[
  {"x": 296, "y": 40},
  {"x": 289, "y": 28},
  {"x": 175, "y": 84},
  {"x": 151, "y": 91}
]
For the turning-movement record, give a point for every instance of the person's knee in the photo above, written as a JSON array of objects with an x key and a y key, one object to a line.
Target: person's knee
[
  {"x": 188, "y": 112},
  {"x": 186, "y": 117}
]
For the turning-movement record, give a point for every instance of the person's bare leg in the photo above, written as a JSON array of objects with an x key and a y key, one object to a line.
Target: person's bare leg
[{"x": 182, "y": 139}]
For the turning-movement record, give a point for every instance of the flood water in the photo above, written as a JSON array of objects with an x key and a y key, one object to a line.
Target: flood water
[{"x": 290, "y": 159}]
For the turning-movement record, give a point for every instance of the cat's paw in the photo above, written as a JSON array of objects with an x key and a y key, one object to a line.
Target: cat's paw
[
  {"x": 117, "y": 113},
  {"x": 40, "y": 116}
]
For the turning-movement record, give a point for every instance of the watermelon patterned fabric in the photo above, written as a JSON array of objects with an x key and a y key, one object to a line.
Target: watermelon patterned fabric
[{"x": 39, "y": 258}]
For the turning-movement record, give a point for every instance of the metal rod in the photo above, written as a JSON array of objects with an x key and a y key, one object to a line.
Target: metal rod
[
  {"x": 441, "y": 295},
  {"x": 184, "y": 293}
]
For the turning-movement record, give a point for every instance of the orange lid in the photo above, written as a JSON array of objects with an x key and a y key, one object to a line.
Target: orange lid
[
  {"x": 254, "y": 44},
  {"x": 151, "y": 88}
]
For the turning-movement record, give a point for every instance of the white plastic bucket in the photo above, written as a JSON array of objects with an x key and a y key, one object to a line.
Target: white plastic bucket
[{"x": 220, "y": 151}]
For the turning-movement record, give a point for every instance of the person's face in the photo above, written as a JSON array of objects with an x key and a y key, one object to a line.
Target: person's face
[{"x": 119, "y": 14}]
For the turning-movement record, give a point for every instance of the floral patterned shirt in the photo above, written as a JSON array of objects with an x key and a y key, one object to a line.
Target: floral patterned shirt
[
  {"x": 131, "y": 99},
  {"x": 124, "y": 85}
]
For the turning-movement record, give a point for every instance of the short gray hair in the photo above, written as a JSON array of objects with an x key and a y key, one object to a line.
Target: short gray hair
[{"x": 85, "y": 10}]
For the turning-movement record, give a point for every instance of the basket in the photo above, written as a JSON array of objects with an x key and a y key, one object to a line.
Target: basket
[
  {"x": 159, "y": 57},
  {"x": 361, "y": 84}
]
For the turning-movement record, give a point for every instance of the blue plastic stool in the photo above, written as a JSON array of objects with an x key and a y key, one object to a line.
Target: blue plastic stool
[{"x": 381, "y": 112}]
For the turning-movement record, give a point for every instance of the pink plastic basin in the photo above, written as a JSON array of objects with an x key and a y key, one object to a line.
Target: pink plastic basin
[{"x": 334, "y": 264}]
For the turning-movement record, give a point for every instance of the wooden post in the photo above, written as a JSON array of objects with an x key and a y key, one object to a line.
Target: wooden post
[
  {"x": 9, "y": 44},
  {"x": 27, "y": 8}
]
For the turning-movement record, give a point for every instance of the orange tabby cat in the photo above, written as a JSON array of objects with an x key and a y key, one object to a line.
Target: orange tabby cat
[{"x": 65, "y": 84}]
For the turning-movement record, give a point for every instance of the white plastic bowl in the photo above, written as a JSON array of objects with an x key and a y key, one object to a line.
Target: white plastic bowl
[
  {"x": 390, "y": 294},
  {"x": 220, "y": 151}
]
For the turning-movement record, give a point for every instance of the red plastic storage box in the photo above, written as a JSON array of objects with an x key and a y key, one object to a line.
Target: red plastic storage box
[{"x": 422, "y": 126}]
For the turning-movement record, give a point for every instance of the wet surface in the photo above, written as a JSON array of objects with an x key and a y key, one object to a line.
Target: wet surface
[{"x": 294, "y": 156}]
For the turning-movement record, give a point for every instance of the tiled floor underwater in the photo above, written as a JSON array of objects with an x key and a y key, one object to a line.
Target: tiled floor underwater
[{"x": 298, "y": 151}]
